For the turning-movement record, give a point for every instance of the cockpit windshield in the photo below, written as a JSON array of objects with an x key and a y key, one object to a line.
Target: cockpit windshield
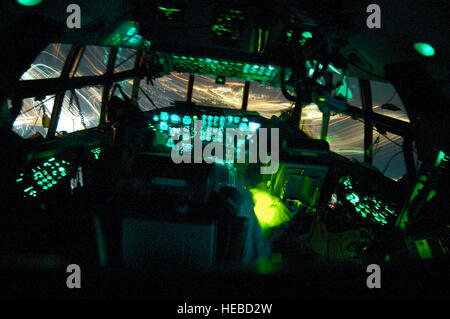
[{"x": 82, "y": 109}]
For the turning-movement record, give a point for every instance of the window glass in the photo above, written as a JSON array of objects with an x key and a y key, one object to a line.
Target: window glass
[
  {"x": 266, "y": 100},
  {"x": 207, "y": 92},
  {"x": 388, "y": 155},
  {"x": 81, "y": 111},
  {"x": 164, "y": 91},
  {"x": 125, "y": 59},
  {"x": 34, "y": 117},
  {"x": 93, "y": 61},
  {"x": 386, "y": 101},
  {"x": 311, "y": 120},
  {"x": 49, "y": 63},
  {"x": 346, "y": 136}
]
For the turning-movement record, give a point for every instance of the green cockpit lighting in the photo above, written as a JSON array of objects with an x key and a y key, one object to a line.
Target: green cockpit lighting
[
  {"x": 307, "y": 35},
  {"x": 211, "y": 124},
  {"x": 126, "y": 35},
  {"x": 367, "y": 205},
  {"x": 224, "y": 68},
  {"x": 95, "y": 151},
  {"x": 269, "y": 210},
  {"x": 168, "y": 12},
  {"x": 29, "y": 3},
  {"x": 441, "y": 158},
  {"x": 44, "y": 176},
  {"x": 424, "y": 49},
  {"x": 344, "y": 89}
]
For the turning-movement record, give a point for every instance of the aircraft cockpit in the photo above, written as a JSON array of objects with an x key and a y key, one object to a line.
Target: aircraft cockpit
[{"x": 201, "y": 148}]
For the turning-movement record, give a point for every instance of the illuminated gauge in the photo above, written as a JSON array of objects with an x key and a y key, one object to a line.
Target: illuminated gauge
[
  {"x": 237, "y": 119},
  {"x": 230, "y": 119},
  {"x": 170, "y": 143},
  {"x": 244, "y": 119},
  {"x": 175, "y": 118},
  {"x": 156, "y": 118},
  {"x": 243, "y": 127},
  {"x": 163, "y": 126},
  {"x": 187, "y": 120},
  {"x": 164, "y": 116},
  {"x": 175, "y": 131},
  {"x": 195, "y": 117},
  {"x": 253, "y": 126},
  {"x": 208, "y": 134},
  {"x": 187, "y": 148}
]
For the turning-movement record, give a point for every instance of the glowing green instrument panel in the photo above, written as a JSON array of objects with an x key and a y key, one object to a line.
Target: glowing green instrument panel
[
  {"x": 226, "y": 68},
  {"x": 96, "y": 152},
  {"x": 210, "y": 123},
  {"x": 226, "y": 127},
  {"x": 126, "y": 35},
  {"x": 369, "y": 206},
  {"x": 43, "y": 177}
]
